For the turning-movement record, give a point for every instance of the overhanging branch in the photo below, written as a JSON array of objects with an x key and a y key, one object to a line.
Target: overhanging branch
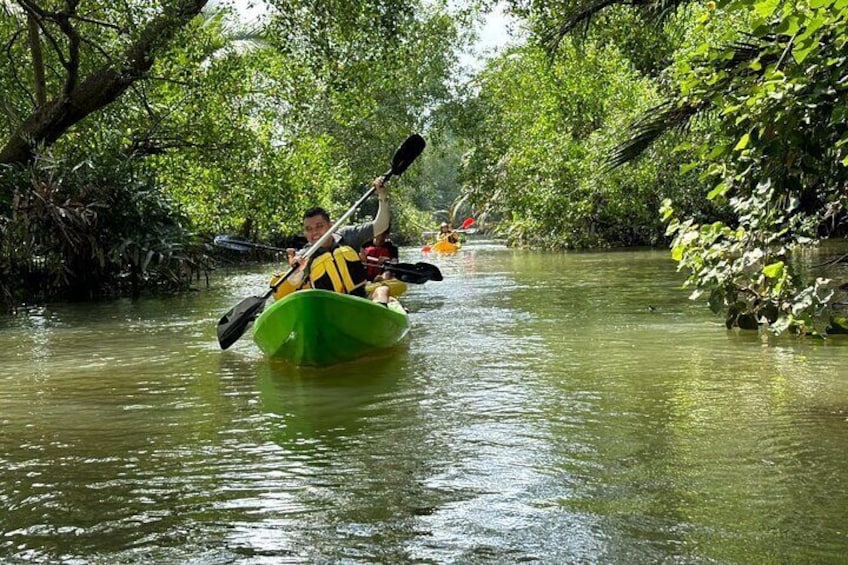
[{"x": 103, "y": 86}]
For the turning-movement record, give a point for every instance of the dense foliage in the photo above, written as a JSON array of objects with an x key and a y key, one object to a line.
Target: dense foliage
[
  {"x": 780, "y": 161},
  {"x": 749, "y": 94},
  {"x": 541, "y": 132},
  {"x": 80, "y": 216},
  {"x": 135, "y": 132},
  {"x": 224, "y": 128}
]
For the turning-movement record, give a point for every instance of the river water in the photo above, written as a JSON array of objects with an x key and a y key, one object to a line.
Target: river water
[{"x": 545, "y": 408}]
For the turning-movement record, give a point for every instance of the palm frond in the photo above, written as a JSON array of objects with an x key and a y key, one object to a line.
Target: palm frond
[
  {"x": 553, "y": 37},
  {"x": 655, "y": 10},
  {"x": 745, "y": 51},
  {"x": 666, "y": 116},
  {"x": 648, "y": 128}
]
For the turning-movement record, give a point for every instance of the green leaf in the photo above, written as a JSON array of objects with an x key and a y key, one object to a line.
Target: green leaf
[
  {"x": 816, "y": 4},
  {"x": 766, "y": 8},
  {"x": 801, "y": 53},
  {"x": 731, "y": 109},
  {"x": 789, "y": 26},
  {"x": 665, "y": 204},
  {"x": 813, "y": 25},
  {"x": 686, "y": 167},
  {"x": 774, "y": 270},
  {"x": 743, "y": 142},
  {"x": 719, "y": 190},
  {"x": 717, "y": 151}
]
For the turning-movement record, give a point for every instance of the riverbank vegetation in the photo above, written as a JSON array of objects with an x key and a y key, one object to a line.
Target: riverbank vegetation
[{"x": 134, "y": 134}]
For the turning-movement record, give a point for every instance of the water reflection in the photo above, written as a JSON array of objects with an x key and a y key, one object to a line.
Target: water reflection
[{"x": 326, "y": 409}]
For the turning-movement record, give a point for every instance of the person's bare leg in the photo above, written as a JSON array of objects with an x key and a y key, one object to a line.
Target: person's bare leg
[{"x": 381, "y": 294}]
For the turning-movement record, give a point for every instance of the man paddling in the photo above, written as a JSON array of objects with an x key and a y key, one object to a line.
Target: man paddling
[{"x": 336, "y": 265}]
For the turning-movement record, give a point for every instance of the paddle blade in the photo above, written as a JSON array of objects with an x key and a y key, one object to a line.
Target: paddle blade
[
  {"x": 431, "y": 271},
  {"x": 409, "y": 276},
  {"x": 234, "y": 323},
  {"x": 243, "y": 245},
  {"x": 467, "y": 223},
  {"x": 425, "y": 249},
  {"x": 408, "y": 151},
  {"x": 419, "y": 273}
]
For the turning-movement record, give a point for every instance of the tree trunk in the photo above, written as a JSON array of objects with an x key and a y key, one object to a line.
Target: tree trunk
[{"x": 51, "y": 120}]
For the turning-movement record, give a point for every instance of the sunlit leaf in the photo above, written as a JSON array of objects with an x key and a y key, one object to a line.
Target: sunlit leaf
[
  {"x": 773, "y": 270},
  {"x": 766, "y": 8},
  {"x": 719, "y": 190}
]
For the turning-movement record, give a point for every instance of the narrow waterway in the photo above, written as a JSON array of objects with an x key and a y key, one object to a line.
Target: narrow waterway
[{"x": 545, "y": 408}]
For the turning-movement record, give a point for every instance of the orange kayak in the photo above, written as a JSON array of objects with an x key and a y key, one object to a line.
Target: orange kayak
[{"x": 444, "y": 246}]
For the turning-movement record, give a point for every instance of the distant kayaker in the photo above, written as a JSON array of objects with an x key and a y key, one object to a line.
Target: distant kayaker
[
  {"x": 447, "y": 233},
  {"x": 337, "y": 265},
  {"x": 380, "y": 252}
]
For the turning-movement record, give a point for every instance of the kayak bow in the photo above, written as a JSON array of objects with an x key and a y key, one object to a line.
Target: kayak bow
[{"x": 320, "y": 327}]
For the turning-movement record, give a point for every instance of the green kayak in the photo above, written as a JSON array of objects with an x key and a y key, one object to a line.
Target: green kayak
[{"x": 320, "y": 327}]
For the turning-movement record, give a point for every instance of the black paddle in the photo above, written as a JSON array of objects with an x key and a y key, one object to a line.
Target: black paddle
[
  {"x": 235, "y": 322},
  {"x": 241, "y": 245},
  {"x": 417, "y": 273}
]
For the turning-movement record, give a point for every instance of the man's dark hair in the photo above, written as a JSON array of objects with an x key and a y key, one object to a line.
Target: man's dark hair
[{"x": 317, "y": 211}]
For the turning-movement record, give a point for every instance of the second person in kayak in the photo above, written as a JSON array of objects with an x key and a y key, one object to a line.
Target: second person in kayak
[
  {"x": 336, "y": 265},
  {"x": 377, "y": 254}
]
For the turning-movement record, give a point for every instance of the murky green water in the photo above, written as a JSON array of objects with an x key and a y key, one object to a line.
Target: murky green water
[{"x": 545, "y": 408}]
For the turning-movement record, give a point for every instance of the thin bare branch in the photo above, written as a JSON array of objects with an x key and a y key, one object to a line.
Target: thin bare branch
[
  {"x": 14, "y": 70},
  {"x": 101, "y": 23}
]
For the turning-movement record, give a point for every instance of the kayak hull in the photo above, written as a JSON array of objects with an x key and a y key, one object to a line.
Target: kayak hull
[
  {"x": 445, "y": 246},
  {"x": 320, "y": 327}
]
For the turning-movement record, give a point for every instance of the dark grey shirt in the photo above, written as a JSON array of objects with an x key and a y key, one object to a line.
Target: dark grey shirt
[{"x": 355, "y": 236}]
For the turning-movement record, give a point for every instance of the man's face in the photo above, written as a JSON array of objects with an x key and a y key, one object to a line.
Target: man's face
[{"x": 314, "y": 227}]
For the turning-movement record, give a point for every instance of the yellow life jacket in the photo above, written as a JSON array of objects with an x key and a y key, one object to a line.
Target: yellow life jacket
[
  {"x": 291, "y": 284},
  {"x": 339, "y": 270}
]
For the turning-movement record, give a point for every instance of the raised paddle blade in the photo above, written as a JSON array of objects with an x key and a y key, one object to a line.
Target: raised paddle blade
[
  {"x": 467, "y": 223},
  {"x": 408, "y": 151},
  {"x": 234, "y": 323}
]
